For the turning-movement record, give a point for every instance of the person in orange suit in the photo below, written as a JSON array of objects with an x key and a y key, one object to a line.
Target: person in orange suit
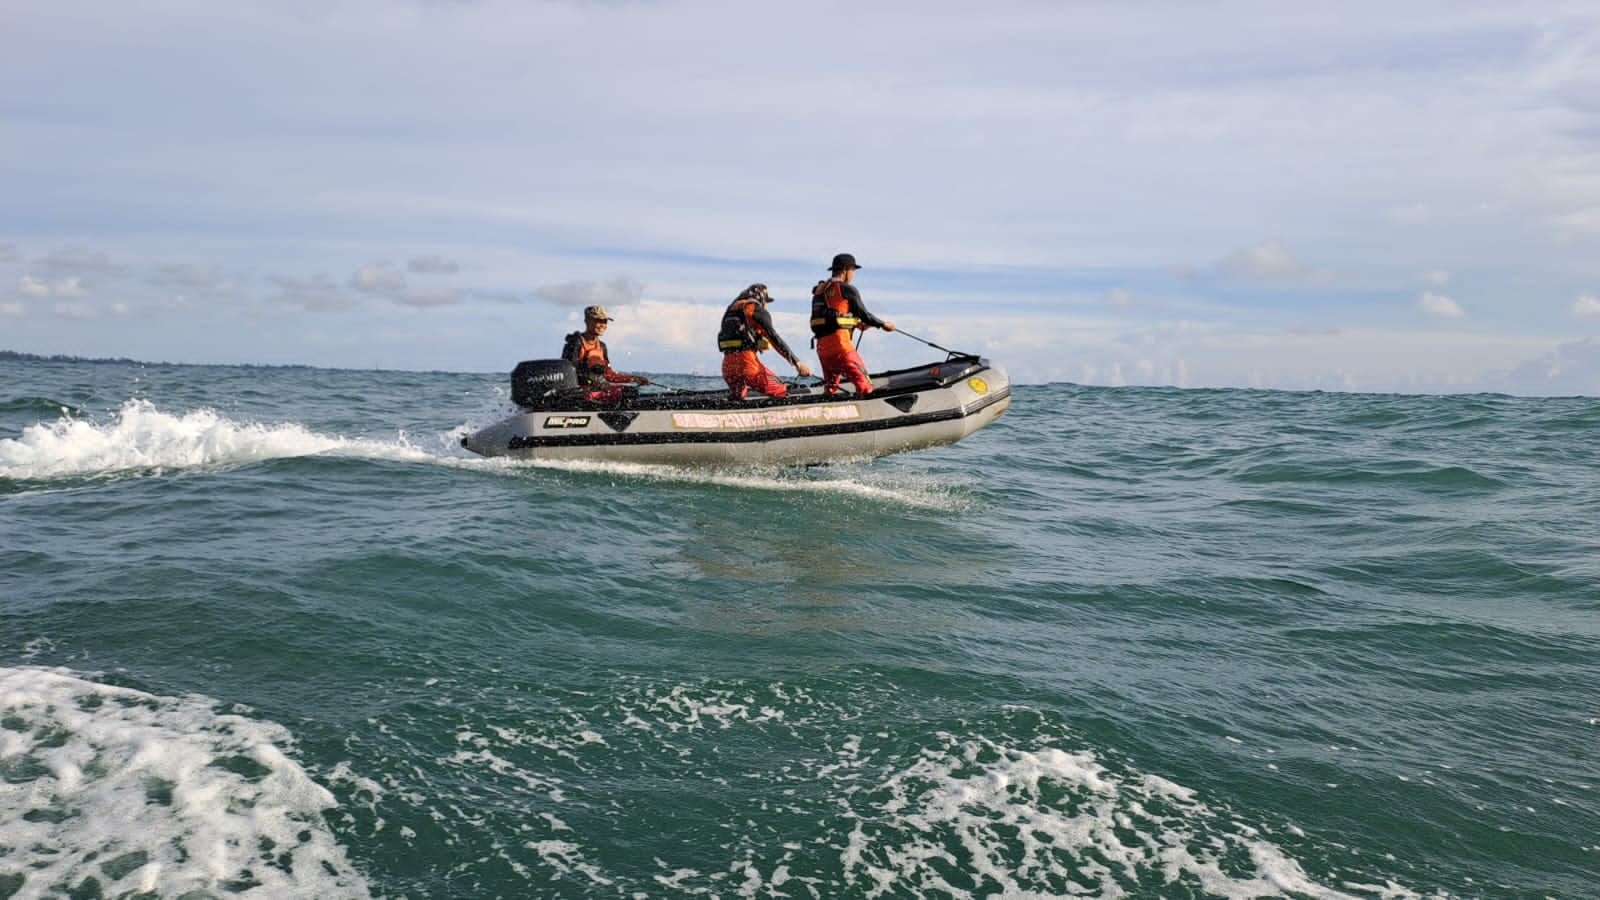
[
  {"x": 589, "y": 356},
  {"x": 836, "y": 313},
  {"x": 747, "y": 330}
]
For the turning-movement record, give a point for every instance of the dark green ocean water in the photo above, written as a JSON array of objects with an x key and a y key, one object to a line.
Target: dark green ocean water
[{"x": 271, "y": 633}]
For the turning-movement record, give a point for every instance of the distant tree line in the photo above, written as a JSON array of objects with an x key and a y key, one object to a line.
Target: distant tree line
[{"x": 13, "y": 356}]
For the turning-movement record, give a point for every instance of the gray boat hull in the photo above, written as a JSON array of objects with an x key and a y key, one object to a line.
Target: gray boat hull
[{"x": 909, "y": 409}]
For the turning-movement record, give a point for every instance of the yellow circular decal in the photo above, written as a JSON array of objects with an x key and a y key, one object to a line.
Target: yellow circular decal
[{"x": 978, "y": 384}]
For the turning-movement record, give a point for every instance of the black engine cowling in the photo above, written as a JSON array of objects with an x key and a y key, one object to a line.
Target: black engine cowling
[{"x": 535, "y": 381}]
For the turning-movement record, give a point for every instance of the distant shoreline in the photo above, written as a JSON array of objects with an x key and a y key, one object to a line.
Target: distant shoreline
[{"x": 14, "y": 356}]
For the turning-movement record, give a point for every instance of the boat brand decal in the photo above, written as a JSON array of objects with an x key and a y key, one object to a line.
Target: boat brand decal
[
  {"x": 978, "y": 385},
  {"x": 566, "y": 421},
  {"x": 765, "y": 418}
]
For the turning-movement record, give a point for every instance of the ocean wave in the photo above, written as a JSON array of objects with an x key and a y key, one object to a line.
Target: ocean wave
[
  {"x": 778, "y": 791},
  {"x": 114, "y": 792},
  {"x": 36, "y": 406},
  {"x": 1391, "y": 473},
  {"x": 140, "y": 439}
]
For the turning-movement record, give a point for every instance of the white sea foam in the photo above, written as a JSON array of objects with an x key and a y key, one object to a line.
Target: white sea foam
[
  {"x": 964, "y": 815},
  {"x": 140, "y": 437},
  {"x": 990, "y": 801},
  {"x": 1020, "y": 821},
  {"x": 845, "y": 482},
  {"x": 111, "y": 791}
]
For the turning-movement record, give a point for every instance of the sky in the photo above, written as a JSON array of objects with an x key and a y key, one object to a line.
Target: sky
[{"x": 1362, "y": 196}]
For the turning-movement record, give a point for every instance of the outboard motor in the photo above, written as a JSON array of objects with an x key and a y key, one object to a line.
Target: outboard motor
[{"x": 535, "y": 381}]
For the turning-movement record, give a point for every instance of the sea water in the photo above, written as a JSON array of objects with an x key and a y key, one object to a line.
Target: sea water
[{"x": 272, "y": 633}]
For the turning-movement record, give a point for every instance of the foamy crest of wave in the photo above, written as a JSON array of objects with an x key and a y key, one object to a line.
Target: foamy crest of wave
[
  {"x": 141, "y": 437},
  {"x": 109, "y": 791},
  {"x": 1025, "y": 819}
]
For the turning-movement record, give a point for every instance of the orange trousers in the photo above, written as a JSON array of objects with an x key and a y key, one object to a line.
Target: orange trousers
[
  {"x": 744, "y": 370},
  {"x": 840, "y": 360}
]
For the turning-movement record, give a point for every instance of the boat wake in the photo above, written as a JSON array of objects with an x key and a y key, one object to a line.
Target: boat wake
[
  {"x": 115, "y": 792},
  {"x": 845, "y": 482},
  {"x": 140, "y": 440}
]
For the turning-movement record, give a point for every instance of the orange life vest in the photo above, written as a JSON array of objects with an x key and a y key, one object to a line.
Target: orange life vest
[
  {"x": 739, "y": 329},
  {"x": 592, "y": 357},
  {"x": 830, "y": 311}
]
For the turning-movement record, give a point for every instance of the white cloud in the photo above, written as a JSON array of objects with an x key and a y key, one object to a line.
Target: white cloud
[
  {"x": 80, "y": 311},
  {"x": 1412, "y": 214},
  {"x": 1585, "y": 220},
  {"x": 189, "y": 276},
  {"x": 378, "y": 278},
  {"x": 1266, "y": 261},
  {"x": 1571, "y": 369},
  {"x": 80, "y": 260},
  {"x": 1437, "y": 278},
  {"x": 433, "y": 265},
  {"x": 11, "y": 309},
  {"x": 1586, "y": 307},
  {"x": 1440, "y": 306},
  {"x": 690, "y": 328},
  {"x": 422, "y": 299},
  {"x": 317, "y": 294},
  {"x": 40, "y": 287},
  {"x": 619, "y": 291}
]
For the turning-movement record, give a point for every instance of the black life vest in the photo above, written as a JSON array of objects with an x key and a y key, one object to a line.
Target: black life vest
[
  {"x": 830, "y": 311},
  {"x": 739, "y": 331}
]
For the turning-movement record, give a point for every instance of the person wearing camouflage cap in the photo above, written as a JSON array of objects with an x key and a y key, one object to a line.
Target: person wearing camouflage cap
[{"x": 592, "y": 359}]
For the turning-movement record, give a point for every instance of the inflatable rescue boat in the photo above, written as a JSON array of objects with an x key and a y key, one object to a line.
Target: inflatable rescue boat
[{"x": 908, "y": 409}]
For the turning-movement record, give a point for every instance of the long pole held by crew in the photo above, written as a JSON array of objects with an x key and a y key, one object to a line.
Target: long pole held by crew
[{"x": 929, "y": 343}]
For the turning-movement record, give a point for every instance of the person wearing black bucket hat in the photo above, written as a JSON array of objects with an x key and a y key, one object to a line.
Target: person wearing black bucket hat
[{"x": 836, "y": 313}]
